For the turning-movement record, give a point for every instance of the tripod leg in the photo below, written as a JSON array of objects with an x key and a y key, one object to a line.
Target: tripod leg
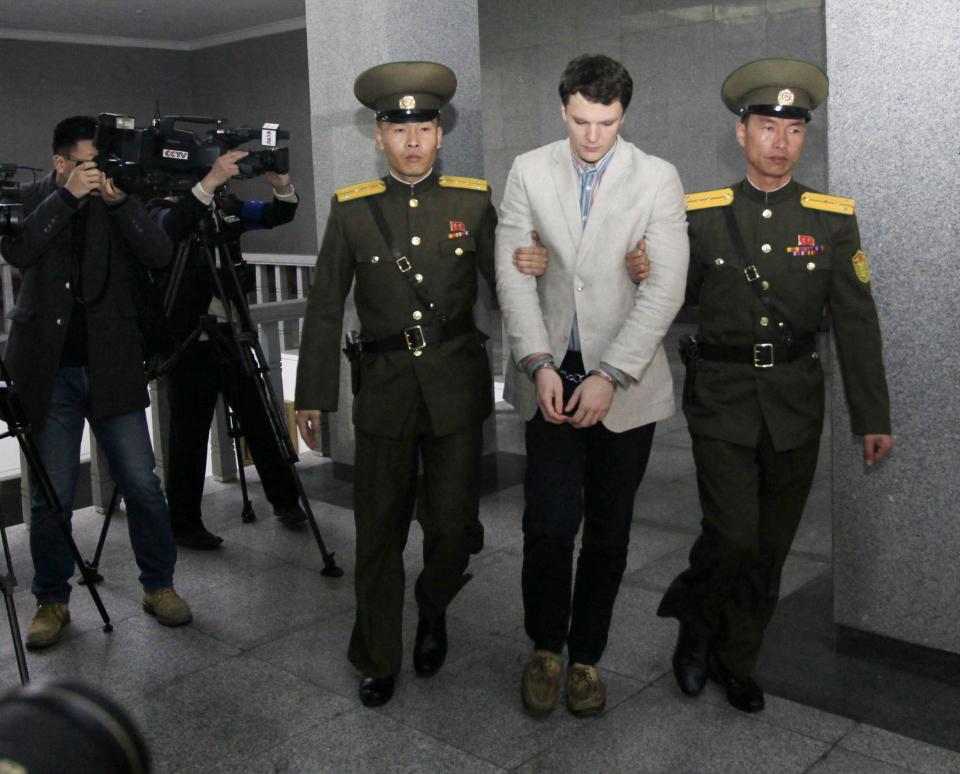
[
  {"x": 250, "y": 350},
  {"x": 94, "y": 564},
  {"x": 247, "y": 515},
  {"x": 9, "y": 583},
  {"x": 15, "y": 634},
  {"x": 330, "y": 568},
  {"x": 41, "y": 479}
]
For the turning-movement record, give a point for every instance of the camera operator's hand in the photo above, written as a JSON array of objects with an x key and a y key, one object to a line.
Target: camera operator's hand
[
  {"x": 84, "y": 179},
  {"x": 109, "y": 191},
  {"x": 222, "y": 170},
  {"x": 280, "y": 183}
]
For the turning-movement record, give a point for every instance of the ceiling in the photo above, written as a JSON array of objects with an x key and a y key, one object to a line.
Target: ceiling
[{"x": 173, "y": 24}]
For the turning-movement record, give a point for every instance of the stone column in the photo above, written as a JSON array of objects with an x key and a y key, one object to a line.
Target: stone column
[
  {"x": 894, "y": 145},
  {"x": 342, "y": 41}
]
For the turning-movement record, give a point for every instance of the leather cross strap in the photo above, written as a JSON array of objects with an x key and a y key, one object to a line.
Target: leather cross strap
[
  {"x": 403, "y": 264},
  {"x": 753, "y": 277}
]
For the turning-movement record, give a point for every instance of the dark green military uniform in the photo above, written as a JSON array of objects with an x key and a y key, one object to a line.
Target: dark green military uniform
[
  {"x": 756, "y": 423},
  {"x": 411, "y": 402}
]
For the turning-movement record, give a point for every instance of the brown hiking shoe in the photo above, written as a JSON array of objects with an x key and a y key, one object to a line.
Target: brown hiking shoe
[
  {"x": 169, "y": 607},
  {"x": 49, "y": 620},
  {"x": 540, "y": 686},
  {"x": 586, "y": 693}
]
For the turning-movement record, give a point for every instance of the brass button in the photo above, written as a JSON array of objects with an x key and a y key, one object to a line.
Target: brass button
[
  {"x": 67, "y": 286},
  {"x": 811, "y": 266},
  {"x": 764, "y": 321},
  {"x": 458, "y": 251},
  {"x": 414, "y": 203},
  {"x": 767, "y": 213},
  {"x": 417, "y": 315},
  {"x": 415, "y": 240},
  {"x": 719, "y": 261},
  {"x": 418, "y": 277},
  {"x": 814, "y": 355},
  {"x": 765, "y": 247},
  {"x": 375, "y": 259},
  {"x": 59, "y": 321},
  {"x": 765, "y": 285},
  {"x": 417, "y": 352}
]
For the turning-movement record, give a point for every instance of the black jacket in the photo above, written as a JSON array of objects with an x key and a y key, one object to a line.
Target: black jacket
[
  {"x": 180, "y": 220},
  {"x": 116, "y": 238}
]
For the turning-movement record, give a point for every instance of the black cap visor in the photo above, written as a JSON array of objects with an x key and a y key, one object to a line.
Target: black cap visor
[
  {"x": 407, "y": 116},
  {"x": 777, "y": 111}
]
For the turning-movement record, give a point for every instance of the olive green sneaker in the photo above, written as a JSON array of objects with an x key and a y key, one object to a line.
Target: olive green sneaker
[
  {"x": 47, "y": 624},
  {"x": 169, "y": 607},
  {"x": 586, "y": 693},
  {"x": 540, "y": 685}
]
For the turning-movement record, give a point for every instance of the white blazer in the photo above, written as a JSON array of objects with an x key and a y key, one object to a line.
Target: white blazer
[{"x": 620, "y": 323}]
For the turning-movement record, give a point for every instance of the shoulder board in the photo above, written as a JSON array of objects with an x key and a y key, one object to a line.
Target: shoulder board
[
  {"x": 359, "y": 190},
  {"x": 702, "y": 201},
  {"x": 473, "y": 183},
  {"x": 838, "y": 204}
]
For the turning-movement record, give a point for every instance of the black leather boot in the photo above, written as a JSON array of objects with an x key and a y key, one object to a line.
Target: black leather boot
[
  {"x": 375, "y": 691},
  {"x": 430, "y": 649},
  {"x": 742, "y": 692},
  {"x": 690, "y": 661}
]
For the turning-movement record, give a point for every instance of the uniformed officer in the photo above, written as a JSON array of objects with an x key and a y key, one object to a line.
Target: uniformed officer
[
  {"x": 412, "y": 243},
  {"x": 767, "y": 257}
]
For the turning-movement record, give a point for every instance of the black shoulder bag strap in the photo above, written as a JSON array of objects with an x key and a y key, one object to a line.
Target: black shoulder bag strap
[
  {"x": 753, "y": 277},
  {"x": 414, "y": 280}
]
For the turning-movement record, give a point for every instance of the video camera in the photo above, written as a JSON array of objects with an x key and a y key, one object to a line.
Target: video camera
[
  {"x": 11, "y": 210},
  {"x": 165, "y": 158}
]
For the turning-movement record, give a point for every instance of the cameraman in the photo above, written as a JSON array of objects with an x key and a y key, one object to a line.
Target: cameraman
[
  {"x": 74, "y": 353},
  {"x": 197, "y": 378}
]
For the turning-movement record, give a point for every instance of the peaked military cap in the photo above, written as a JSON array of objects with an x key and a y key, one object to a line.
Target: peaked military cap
[
  {"x": 787, "y": 88},
  {"x": 402, "y": 92}
]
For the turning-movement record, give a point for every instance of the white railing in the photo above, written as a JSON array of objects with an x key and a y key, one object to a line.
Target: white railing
[{"x": 277, "y": 306}]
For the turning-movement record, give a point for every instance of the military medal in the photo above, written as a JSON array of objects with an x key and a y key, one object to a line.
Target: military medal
[
  {"x": 457, "y": 229},
  {"x": 806, "y": 246}
]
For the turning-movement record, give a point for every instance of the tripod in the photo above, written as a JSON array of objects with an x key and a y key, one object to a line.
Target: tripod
[
  {"x": 12, "y": 413},
  {"x": 234, "y": 342}
]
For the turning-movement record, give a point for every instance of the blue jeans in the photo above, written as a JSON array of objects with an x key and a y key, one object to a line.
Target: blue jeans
[{"x": 126, "y": 443}]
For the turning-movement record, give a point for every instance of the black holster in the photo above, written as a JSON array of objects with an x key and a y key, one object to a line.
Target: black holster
[
  {"x": 690, "y": 357},
  {"x": 353, "y": 349}
]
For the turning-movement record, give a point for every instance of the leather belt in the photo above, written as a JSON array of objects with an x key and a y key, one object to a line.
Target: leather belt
[
  {"x": 761, "y": 355},
  {"x": 417, "y": 337}
]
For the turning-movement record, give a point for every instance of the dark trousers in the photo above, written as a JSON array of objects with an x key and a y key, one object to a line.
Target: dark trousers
[
  {"x": 752, "y": 500},
  {"x": 193, "y": 387},
  {"x": 385, "y": 491},
  {"x": 591, "y": 474}
]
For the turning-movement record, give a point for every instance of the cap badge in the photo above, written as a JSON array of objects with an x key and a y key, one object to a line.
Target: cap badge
[
  {"x": 408, "y": 102},
  {"x": 785, "y": 97}
]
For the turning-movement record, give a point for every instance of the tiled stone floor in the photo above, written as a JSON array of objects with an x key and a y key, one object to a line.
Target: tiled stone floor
[{"x": 260, "y": 683}]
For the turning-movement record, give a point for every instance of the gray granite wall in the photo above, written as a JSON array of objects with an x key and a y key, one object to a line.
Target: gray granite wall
[
  {"x": 895, "y": 145},
  {"x": 678, "y": 52}
]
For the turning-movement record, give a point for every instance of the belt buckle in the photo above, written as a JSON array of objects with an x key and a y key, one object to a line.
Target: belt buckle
[
  {"x": 762, "y": 355},
  {"x": 751, "y": 273},
  {"x": 403, "y": 264},
  {"x": 414, "y": 338}
]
